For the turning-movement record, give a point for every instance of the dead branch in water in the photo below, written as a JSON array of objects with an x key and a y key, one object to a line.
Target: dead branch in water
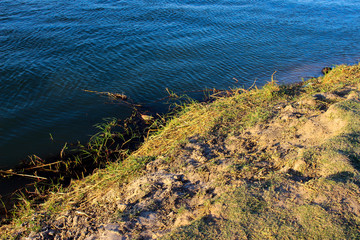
[
  {"x": 116, "y": 96},
  {"x": 10, "y": 172},
  {"x": 44, "y": 165},
  {"x": 109, "y": 94}
]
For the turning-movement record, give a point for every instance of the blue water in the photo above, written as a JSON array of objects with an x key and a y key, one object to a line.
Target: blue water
[{"x": 51, "y": 50}]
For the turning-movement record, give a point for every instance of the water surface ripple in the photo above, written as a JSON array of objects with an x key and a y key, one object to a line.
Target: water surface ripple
[{"x": 51, "y": 50}]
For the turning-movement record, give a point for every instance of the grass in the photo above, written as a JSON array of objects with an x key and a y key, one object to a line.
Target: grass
[{"x": 269, "y": 204}]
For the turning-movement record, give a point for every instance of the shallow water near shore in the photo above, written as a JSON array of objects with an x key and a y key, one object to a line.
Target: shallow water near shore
[{"x": 51, "y": 51}]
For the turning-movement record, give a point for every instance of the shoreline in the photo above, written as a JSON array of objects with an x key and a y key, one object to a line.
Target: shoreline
[
  {"x": 191, "y": 174},
  {"x": 60, "y": 168},
  {"x": 74, "y": 161}
]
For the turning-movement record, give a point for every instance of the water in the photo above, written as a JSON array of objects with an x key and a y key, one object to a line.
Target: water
[{"x": 51, "y": 50}]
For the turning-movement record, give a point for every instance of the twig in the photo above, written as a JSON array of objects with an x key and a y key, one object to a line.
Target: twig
[
  {"x": 41, "y": 166},
  {"x": 111, "y": 95},
  {"x": 22, "y": 175}
]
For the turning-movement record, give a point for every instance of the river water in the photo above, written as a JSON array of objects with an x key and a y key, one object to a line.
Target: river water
[{"x": 50, "y": 51}]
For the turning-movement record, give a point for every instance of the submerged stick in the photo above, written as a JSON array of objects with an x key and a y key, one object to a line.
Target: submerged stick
[
  {"x": 44, "y": 165},
  {"x": 111, "y": 95},
  {"x": 116, "y": 96},
  {"x": 9, "y": 172}
]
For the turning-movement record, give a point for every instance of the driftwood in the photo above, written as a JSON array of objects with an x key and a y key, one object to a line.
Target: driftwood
[
  {"x": 109, "y": 94},
  {"x": 116, "y": 96}
]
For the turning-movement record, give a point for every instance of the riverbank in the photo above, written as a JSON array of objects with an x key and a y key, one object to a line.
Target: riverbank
[
  {"x": 275, "y": 162},
  {"x": 36, "y": 176}
]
